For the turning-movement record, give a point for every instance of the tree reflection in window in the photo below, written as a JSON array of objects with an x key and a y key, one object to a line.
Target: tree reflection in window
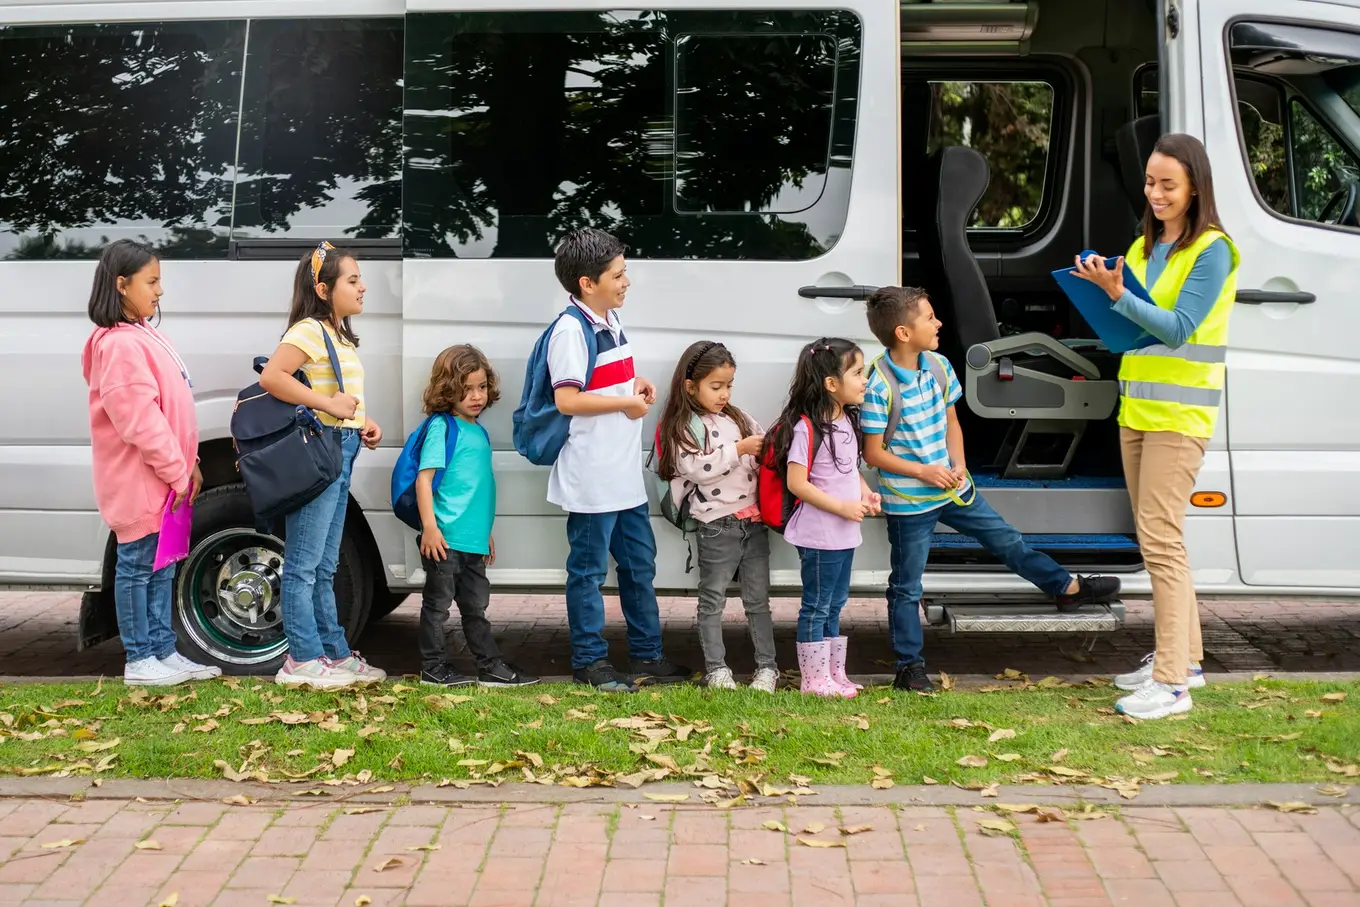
[
  {"x": 124, "y": 130},
  {"x": 523, "y": 126}
]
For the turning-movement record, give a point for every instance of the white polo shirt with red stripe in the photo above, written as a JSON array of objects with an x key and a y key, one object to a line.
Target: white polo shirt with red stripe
[{"x": 600, "y": 467}]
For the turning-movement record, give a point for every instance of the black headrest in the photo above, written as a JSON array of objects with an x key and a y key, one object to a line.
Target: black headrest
[
  {"x": 961, "y": 175},
  {"x": 1135, "y": 142}
]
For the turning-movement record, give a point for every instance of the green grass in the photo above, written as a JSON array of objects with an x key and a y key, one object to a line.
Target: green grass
[{"x": 403, "y": 732}]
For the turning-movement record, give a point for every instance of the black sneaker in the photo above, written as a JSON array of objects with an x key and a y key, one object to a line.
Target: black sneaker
[
  {"x": 446, "y": 675},
  {"x": 1091, "y": 590},
  {"x": 503, "y": 674},
  {"x": 912, "y": 678},
  {"x": 602, "y": 676},
  {"x": 659, "y": 671}
]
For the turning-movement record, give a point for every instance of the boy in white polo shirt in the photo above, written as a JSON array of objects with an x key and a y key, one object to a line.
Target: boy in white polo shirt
[{"x": 597, "y": 478}]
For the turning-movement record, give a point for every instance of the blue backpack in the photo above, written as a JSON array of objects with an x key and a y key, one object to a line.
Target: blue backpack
[
  {"x": 404, "y": 473},
  {"x": 540, "y": 431}
]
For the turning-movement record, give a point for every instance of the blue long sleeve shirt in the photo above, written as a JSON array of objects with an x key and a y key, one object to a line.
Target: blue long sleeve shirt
[{"x": 1201, "y": 290}]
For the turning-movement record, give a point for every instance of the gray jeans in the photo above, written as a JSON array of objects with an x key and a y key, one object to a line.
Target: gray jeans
[{"x": 725, "y": 545}]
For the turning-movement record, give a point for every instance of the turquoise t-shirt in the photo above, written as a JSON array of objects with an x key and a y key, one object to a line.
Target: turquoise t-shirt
[{"x": 465, "y": 502}]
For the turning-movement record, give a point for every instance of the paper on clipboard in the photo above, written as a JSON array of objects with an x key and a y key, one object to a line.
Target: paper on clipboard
[{"x": 1118, "y": 333}]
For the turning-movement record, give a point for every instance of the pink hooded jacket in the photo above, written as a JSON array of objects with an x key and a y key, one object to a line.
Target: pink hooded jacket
[{"x": 143, "y": 430}]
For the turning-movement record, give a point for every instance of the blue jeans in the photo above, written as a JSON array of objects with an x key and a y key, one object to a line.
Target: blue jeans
[
  {"x": 142, "y": 600},
  {"x": 910, "y": 537},
  {"x": 593, "y": 537},
  {"x": 311, "y": 552},
  {"x": 826, "y": 589}
]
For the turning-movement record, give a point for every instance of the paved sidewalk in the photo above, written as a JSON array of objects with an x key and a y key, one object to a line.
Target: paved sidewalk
[
  {"x": 37, "y": 638},
  {"x": 621, "y": 855}
]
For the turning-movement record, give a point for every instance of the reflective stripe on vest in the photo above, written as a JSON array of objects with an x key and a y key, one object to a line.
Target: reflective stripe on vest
[{"x": 1178, "y": 390}]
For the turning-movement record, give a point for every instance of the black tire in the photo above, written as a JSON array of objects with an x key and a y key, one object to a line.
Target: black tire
[{"x": 238, "y": 639}]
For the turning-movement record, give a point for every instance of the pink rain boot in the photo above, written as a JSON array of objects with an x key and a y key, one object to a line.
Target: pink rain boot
[
  {"x": 814, "y": 662},
  {"x": 838, "y": 678}
]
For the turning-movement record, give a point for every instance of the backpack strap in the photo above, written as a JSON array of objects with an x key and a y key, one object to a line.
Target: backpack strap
[
  {"x": 889, "y": 375},
  {"x": 592, "y": 342},
  {"x": 330, "y": 351}
]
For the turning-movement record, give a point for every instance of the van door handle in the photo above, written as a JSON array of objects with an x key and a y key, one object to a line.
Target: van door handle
[
  {"x": 1260, "y": 297},
  {"x": 856, "y": 292}
]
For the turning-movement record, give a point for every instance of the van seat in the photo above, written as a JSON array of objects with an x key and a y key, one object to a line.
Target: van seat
[{"x": 1037, "y": 382}]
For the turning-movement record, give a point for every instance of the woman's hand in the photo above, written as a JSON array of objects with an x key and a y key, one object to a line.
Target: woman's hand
[
  {"x": 1111, "y": 280},
  {"x": 342, "y": 406},
  {"x": 371, "y": 434}
]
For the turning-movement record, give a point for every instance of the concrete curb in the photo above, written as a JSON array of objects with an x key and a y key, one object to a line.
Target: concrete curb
[
  {"x": 965, "y": 682},
  {"x": 169, "y": 789}
]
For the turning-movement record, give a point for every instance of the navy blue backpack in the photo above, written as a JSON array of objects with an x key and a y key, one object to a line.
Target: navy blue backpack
[
  {"x": 285, "y": 455},
  {"x": 404, "y": 473},
  {"x": 540, "y": 430}
]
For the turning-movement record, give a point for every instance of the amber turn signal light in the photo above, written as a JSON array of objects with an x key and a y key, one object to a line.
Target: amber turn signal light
[{"x": 1208, "y": 499}]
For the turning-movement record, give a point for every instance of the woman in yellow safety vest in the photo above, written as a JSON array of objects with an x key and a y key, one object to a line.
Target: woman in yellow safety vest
[{"x": 1170, "y": 392}]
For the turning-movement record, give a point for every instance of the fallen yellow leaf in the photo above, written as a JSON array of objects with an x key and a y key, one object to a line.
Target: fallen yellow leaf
[
  {"x": 428, "y": 848},
  {"x": 753, "y": 862},
  {"x": 148, "y": 845},
  {"x": 238, "y": 800},
  {"x": 170, "y": 901},
  {"x": 1334, "y": 697},
  {"x": 362, "y": 900},
  {"x": 1292, "y": 806},
  {"x": 813, "y": 828},
  {"x": 772, "y": 825},
  {"x": 64, "y": 842},
  {"x": 667, "y": 798},
  {"x": 1060, "y": 755},
  {"x": 1004, "y": 733},
  {"x": 1008, "y": 757},
  {"x": 92, "y": 746},
  {"x": 817, "y": 842},
  {"x": 992, "y": 827},
  {"x": 972, "y": 762},
  {"x": 389, "y": 863},
  {"x": 280, "y": 899},
  {"x": 854, "y": 829}
]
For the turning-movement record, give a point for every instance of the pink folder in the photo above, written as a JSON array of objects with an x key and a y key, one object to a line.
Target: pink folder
[{"x": 173, "y": 544}]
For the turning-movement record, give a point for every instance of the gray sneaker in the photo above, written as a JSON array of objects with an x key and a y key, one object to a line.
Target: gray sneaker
[
  {"x": 1134, "y": 680},
  {"x": 720, "y": 679}
]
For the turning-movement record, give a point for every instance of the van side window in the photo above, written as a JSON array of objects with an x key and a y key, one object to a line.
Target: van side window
[
  {"x": 320, "y": 153},
  {"x": 1299, "y": 118},
  {"x": 1011, "y": 124},
  {"x": 725, "y": 135},
  {"x": 118, "y": 130}
]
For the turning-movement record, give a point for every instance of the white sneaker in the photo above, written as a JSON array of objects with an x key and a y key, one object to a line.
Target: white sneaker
[
  {"x": 152, "y": 673},
  {"x": 177, "y": 662},
  {"x": 363, "y": 671},
  {"x": 1194, "y": 676},
  {"x": 765, "y": 680},
  {"x": 317, "y": 674},
  {"x": 720, "y": 679},
  {"x": 1154, "y": 699}
]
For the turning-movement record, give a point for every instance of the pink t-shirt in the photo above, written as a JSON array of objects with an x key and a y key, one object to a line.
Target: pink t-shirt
[{"x": 836, "y": 474}]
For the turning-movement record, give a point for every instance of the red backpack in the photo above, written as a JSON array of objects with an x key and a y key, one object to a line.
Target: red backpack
[{"x": 777, "y": 504}]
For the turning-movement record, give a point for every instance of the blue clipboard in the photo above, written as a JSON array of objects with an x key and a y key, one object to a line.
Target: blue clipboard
[{"x": 1118, "y": 333}]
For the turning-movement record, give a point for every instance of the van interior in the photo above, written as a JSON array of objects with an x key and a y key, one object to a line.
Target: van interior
[
  {"x": 1012, "y": 159},
  {"x": 1042, "y": 156}
]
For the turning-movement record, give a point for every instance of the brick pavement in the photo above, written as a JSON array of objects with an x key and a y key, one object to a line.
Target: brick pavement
[
  {"x": 607, "y": 854},
  {"x": 37, "y": 637}
]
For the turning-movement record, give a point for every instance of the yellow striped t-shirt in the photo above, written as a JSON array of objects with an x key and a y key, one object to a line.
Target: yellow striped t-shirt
[{"x": 306, "y": 336}]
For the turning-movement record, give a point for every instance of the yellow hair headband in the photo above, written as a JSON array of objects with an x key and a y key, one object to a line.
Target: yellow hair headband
[{"x": 319, "y": 258}]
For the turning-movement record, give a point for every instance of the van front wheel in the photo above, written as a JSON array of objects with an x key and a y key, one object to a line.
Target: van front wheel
[{"x": 228, "y": 592}]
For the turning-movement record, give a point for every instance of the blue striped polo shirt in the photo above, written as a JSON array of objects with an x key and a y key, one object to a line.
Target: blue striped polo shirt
[{"x": 920, "y": 435}]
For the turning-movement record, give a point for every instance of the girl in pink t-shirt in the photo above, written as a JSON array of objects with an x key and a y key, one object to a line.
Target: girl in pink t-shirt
[
  {"x": 708, "y": 454},
  {"x": 817, "y": 442}
]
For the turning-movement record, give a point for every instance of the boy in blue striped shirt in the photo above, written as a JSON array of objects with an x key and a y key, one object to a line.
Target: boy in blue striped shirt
[{"x": 923, "y": 479}]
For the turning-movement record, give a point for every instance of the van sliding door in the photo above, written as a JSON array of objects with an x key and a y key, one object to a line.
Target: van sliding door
[{"x": 746, "y": 152}]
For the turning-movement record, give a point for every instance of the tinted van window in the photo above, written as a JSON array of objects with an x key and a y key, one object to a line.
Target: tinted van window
[
  {"x": 689, "y": 134},
  {"x": 122, "y": 130},
  {"x": 321, "y": 129}
]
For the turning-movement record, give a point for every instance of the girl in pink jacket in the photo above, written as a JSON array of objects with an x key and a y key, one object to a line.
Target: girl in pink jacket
[{"x": 144, "y": 444}]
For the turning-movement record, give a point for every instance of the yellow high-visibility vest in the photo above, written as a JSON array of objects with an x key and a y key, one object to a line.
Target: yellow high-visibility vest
[{"x": 1161, "y": 389}]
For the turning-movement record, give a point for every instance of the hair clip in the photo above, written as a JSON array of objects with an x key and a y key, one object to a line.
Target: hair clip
[{"x": 319, "y": 258}]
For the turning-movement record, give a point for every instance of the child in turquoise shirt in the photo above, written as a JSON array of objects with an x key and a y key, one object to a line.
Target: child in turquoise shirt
[{"x": 456, "y": 545}]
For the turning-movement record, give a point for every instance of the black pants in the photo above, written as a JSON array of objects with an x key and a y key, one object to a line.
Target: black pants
[{"x": 459, "y": 577}]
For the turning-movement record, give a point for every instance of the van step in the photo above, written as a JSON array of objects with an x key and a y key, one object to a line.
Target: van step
[{"x": 1035, "y": 618}]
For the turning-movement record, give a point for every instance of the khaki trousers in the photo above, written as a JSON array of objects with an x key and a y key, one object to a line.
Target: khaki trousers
[{"x": 1160, "y": 469}]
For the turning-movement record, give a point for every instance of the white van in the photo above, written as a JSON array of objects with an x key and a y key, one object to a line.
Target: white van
[{"x": 769, "y": 162}]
